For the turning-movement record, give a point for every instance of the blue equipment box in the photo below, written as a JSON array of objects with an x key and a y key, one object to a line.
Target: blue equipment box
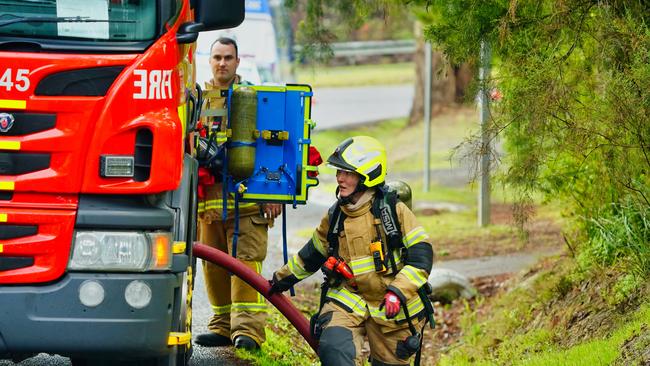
[{"x": 281, "y": 167}]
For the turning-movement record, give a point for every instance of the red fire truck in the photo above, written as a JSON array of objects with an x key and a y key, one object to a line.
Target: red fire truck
[{"x": 97, "y": 185}]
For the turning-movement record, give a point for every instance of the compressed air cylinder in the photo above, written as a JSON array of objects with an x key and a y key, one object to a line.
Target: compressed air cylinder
[
  {"x": 243, "y": 121},
  {"x": 403, "y": 190}
]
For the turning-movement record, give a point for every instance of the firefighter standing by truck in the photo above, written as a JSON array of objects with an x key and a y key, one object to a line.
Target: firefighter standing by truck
[
  {"x": 239, "y": 310},
  {"x": 376, "y": 259}
]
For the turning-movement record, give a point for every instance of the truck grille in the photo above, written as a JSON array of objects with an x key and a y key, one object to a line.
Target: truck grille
[
  {"x": 9, "y": 263},
  {"x": 17, "y": 231},
  {"x": 22, "y": 163}
]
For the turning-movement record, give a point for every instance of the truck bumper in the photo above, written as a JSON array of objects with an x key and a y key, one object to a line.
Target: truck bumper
[{"x": 50, "y": 318}]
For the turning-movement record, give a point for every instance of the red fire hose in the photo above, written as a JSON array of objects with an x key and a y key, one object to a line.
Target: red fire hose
[{"x": 260, "y": 284}]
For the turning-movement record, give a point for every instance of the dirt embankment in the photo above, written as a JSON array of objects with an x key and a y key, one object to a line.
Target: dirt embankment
[
  {"x": 576, "y": 309},
  {"x": 447, "y": 331}
]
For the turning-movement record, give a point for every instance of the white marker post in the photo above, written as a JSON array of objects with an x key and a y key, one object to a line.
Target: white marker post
[{"x": 484, "y": 100}]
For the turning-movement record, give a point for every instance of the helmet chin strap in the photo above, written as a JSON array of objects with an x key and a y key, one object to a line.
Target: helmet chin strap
[{"x": 348, "y": 199}]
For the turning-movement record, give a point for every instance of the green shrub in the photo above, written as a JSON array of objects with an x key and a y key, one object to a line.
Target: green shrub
[
  {"x": 620, "y": 234},
  {"x": 624, "y": 288}
]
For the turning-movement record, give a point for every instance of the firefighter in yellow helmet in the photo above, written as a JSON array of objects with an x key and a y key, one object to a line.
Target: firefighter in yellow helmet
[{"x": 376, "y": 263}]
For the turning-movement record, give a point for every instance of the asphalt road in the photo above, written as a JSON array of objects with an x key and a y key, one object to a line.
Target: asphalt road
[{"x": 340, "y": 107}]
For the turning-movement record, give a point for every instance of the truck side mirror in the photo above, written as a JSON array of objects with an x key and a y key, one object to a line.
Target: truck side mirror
[
  {"x": 219, "y": 14},
  {"x": 188, "y": 32}
]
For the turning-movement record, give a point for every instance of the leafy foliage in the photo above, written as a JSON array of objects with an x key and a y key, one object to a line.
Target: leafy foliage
[{"x": 575, "y": 77}]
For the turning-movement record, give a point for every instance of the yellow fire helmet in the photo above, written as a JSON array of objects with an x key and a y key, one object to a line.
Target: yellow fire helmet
[{"x": 363, "y": 155}]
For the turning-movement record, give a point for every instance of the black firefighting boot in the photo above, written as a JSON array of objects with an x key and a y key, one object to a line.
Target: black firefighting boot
[
  {"x": 246, "y": 343},
  {"x": 212, "y": 340}
]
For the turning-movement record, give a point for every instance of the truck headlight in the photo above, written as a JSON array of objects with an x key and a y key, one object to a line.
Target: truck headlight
[{"x": 121, "y": 251}]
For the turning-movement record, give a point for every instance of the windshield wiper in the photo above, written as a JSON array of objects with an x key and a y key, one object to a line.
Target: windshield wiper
[{"x": 77, "y": 19}]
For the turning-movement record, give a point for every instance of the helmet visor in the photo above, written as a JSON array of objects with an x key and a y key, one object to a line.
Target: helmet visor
[
  {"x": 336, "y": 161},
  {"x": 334, "y": 166}
]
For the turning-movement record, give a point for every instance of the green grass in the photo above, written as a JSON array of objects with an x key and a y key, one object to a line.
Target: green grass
[
  {"x": 461, "y": 225},
  {"x": 356, "y": 75},
  {"x": 462, "y": 195},
  {"x": 283, "y": 347}
]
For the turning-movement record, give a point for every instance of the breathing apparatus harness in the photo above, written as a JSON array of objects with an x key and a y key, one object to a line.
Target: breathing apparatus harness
[
  {"x": 210, "y": 147},
  {"x": 212, "y": 144},
  {"x": 385, "y": 213}
]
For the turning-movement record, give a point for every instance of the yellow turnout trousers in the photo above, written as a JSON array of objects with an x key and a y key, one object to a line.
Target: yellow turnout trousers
[
  {"x": 342, "y": 337},
  {"x": 238, "y": 308}
]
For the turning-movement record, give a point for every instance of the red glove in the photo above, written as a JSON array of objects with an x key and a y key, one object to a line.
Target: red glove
[
  {"x": 391, "y": 303},
  {"x": 314, "y": 159},
  {"x": 205, "y": 179}
]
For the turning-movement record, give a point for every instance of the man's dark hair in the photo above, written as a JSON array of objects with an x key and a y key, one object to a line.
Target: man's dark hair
[{"x": 226, "y": 40}]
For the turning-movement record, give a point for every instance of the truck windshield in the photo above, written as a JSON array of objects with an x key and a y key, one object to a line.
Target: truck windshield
[{"x": 110, "y": 20}]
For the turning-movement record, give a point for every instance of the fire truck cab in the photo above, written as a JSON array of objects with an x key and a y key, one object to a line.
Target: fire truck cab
[{"x": 98, "y": 102}]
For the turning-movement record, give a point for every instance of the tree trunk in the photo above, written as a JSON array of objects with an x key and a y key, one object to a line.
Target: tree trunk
[{"x": 449, "y": 84}]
